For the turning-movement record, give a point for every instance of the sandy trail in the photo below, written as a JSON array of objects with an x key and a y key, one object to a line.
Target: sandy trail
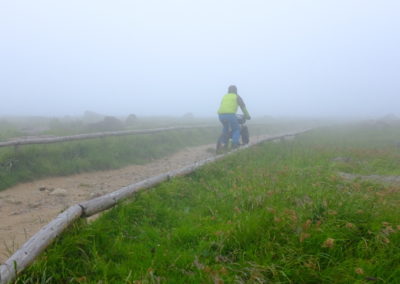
[{"x": 27, "y": 207}]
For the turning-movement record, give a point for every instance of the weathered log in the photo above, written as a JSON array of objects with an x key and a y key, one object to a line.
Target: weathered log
[
  {"x": 23, "y": 257},
  {"x": 97, "y": 205},
  {"x": 129, "y": 190},
  {"x": 107, "y": 201}
]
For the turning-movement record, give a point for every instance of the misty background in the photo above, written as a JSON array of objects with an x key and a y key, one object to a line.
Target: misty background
[{"x": 171, "y": 57}]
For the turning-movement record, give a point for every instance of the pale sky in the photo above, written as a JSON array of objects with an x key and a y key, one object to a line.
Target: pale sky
[{"x": 170, "y": 57}]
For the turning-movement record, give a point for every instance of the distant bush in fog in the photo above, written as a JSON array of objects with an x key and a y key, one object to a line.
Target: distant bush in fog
[
  {"x": 109, "y": 123},
  {"x": 92, "y": 117},
  {"x": 131, "y": 119},
  {"x": 188, "y": 115}
]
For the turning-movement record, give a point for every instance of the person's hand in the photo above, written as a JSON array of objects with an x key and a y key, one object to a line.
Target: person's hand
[{"x": 247, "y": 117}]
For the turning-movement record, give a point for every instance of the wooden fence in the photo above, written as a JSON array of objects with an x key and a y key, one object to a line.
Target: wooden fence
[{"x": 24, "y": 256}]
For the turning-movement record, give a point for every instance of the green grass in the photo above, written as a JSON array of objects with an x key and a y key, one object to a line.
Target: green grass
[
  {"x": 275, "y": 213},
  {"x": 374, "y": 150},
  {"x": 32, "y": 162}
]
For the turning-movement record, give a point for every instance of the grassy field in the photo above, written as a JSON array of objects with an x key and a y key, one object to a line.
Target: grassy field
[{"x": 275, "y": 213}]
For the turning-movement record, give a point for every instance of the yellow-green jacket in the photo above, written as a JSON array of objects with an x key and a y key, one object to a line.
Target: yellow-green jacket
[{"x": 230, "y": 103}]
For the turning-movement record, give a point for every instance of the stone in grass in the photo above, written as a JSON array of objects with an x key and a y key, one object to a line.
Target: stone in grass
[
  {"x": 96, "y": 194},
  {"x": 341, "y": 160},
  {"x": 59, "y": 192},
  {"x": 42, "y": 188}
]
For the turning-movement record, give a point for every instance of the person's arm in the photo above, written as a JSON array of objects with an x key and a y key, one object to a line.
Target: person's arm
[{"x": 243, "y": 107}]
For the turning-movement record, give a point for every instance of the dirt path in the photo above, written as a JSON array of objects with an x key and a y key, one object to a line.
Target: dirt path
[{"x": 27, "y": 207}]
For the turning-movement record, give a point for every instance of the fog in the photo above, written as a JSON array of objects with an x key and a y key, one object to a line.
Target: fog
[{"x": 170, "y": 57}]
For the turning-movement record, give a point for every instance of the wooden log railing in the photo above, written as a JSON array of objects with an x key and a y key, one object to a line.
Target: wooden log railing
[{"x": 24, "y": 256}]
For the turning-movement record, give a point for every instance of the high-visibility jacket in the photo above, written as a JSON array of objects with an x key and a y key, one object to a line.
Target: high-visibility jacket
[{"x": 229, "y": 104}]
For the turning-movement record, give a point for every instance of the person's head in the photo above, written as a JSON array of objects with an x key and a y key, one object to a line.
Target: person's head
[{"x": 232, "y": 89}]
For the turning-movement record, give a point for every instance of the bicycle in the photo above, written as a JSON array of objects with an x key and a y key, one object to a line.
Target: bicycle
[{"x": 244, "y": 136}]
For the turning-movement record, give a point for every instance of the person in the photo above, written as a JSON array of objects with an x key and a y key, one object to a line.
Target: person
[{"x": 227, "y": 116}]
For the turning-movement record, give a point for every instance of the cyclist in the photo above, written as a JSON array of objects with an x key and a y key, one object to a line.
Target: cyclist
[{"x": 227, "y": 115}]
